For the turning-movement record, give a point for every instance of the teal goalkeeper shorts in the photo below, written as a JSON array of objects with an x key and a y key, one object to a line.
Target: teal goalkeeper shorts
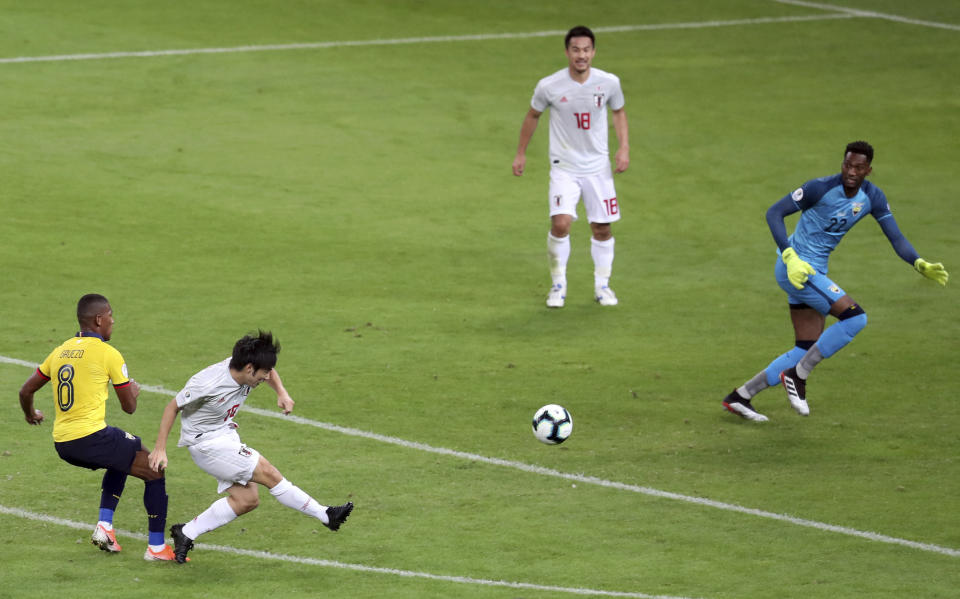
[{"x": 819, "y": 292}]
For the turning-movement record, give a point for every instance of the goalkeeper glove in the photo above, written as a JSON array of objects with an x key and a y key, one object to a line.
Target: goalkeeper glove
[
  {"x": 797, "y": 270},
  {"x": 934, "y": 271}
]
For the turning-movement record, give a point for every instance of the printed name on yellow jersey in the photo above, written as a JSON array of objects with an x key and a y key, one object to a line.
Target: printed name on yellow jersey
[{"x": 71, "y": 353}]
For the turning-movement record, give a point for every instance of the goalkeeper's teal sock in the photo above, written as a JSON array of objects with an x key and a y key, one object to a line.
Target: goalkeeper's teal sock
[{"x": 843, "y": 331}]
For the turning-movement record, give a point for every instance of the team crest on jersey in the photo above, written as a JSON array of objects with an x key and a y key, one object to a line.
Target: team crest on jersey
[
  {"x": 797, "y": 194},
  {"x": 856, "y": 208},
  {"x": 598, "y": 98}
]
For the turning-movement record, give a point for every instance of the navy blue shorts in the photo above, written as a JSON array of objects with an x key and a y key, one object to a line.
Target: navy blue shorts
[{"x": 107, "y": 448}]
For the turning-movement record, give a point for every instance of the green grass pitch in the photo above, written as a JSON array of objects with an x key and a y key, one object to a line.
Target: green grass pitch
[{"x": 355, "y": 197}]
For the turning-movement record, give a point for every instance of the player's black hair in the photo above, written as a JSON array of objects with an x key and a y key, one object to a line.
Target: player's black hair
[
  {"x": 860, "y": 147},
  {"x": 579, "y": 31},
  {"x": 89, "y": 306},
  {"x": 260, "y": 350}
]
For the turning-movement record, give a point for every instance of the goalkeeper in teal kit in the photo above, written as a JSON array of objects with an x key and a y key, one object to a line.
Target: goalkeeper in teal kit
[{"x": 831, "y": 206}]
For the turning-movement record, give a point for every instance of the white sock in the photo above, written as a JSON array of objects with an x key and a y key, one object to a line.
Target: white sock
[
  {"x": 215, "y": 516},
  {"x": 105, "y": 525},
  {"x": 602, "y": 252},
  {"x": 558, "y": 251},
  {"x": 292, "y": 496}
]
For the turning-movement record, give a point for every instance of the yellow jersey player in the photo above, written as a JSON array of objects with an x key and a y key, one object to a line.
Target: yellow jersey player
[{"x": 81, "y": 369}]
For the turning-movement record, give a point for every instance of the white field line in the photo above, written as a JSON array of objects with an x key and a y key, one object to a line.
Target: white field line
[
  {"x": 856, "y": 12},
  {"x": 310, "y": 561},
  {"x": 415, "y": 40},
  {"x": 581, "y": 478}
]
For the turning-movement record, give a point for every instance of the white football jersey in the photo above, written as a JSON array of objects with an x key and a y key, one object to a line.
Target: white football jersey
[
  {"x": 578, "y": 118},
  {"x": 208, "y": 403}
]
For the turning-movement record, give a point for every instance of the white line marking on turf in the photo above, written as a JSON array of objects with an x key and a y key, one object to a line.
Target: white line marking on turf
[
  {"x": 346, "y": 566},
  {"x": 582, "y": 478},
  {"x": 856, "y": 12},
  {"x": 416, "y": 40}
]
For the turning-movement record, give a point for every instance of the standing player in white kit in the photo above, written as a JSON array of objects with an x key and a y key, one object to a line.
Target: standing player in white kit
[
  {"x": 209, "y": 401},
  {"x": 578, "y": 97}
]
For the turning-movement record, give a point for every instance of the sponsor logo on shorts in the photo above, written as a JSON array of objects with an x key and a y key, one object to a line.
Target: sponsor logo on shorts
[
  {"x": 245, "y": 452},
  {"x": 129, "y": 436},
  {"x": 834, "y": 289}
]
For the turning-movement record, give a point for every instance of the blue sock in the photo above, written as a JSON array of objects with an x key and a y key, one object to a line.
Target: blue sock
[
  {"x": 839, "y": 334},
  {"x": 106, "y": 515},
  {"x": 783, "y": 362}
]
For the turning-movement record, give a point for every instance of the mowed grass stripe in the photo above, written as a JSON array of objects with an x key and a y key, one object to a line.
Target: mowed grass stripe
[
  {"x": 856, "y": 12},
  {"x": 415, "y": 40},
  {"x": 310, "y": 561},
  {"x": 581, "y": 478}
]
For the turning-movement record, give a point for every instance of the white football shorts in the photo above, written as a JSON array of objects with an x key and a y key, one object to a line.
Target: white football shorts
[
  {"x": 226, "y": 459},
  {"x": 597, "y": 191}
]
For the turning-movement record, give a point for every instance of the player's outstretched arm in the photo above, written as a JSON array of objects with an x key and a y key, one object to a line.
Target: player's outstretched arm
[
  {"x": 622, "y": 157},
  {"x": 284, "y": 401},
  {"x": 29, "y": 388},
  {"x": 158, "y": 457},
  {"x": 779, "y": 210},
  {"x": 526, "y": 133},
  {"x": 932, "y": 270},
  {"x": 798, "y": 270},
  {"x": 128, "y": 395}
]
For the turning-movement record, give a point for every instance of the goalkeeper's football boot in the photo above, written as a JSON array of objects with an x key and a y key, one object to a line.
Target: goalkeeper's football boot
[
  {"x": 605, "y": 296},
  {"x": 796, "y": 388},
  {"x": 556, "y": 296},
  {"x": 181, "y": 543},
  {"x": 105, "y": 539},
  {"x": 337, "y": 515},
  {"x": 164, "y": 555},
  {"x": 742, "y": 408}
]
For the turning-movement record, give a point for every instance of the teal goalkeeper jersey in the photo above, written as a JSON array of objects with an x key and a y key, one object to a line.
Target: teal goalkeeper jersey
[{"x": 827, "y": 214}]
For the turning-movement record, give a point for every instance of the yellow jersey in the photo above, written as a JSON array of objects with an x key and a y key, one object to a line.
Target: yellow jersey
[{"x": 80, "y": 369}]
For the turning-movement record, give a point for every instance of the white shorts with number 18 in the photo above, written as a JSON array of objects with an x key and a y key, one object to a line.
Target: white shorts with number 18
[
  {"x": 226, "y": 459},
  {"x": 597, "y": 191}
]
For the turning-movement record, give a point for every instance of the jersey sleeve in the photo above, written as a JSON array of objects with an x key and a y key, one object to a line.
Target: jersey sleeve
[
  {"x": 616, "y": 100},
  {"x": 539, "y": 101},
  {"x": 879, "y": 206},
  {"x": 116, "y": 368},
  {"x": 190, "y": 393},
  {"x": 809, "y": 193},
  {"x": 44, "y": 368}
]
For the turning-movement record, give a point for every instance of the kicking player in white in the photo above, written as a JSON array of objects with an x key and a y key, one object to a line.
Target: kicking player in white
[
  {"x": 578, "y": 97},
  {"x": 209, "y": 401}
]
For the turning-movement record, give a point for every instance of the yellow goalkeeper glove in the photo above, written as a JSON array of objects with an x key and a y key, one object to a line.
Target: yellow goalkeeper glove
[
  {"x": 797, "y": 270},
  {"x": 934, "y": 271}
]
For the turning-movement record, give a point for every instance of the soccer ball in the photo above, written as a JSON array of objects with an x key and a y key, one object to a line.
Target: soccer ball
[{"x": 552, "y": 424}]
